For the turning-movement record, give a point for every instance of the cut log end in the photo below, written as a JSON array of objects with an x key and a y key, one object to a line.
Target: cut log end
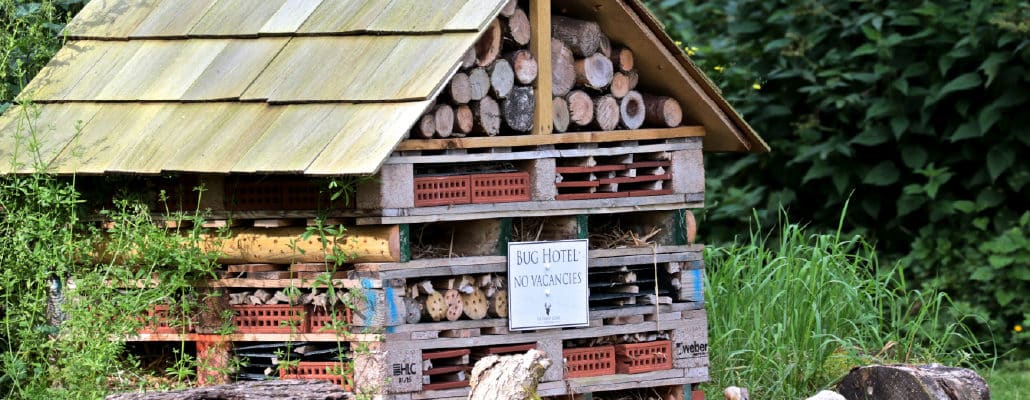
[
  {"x": 463, "y": 120},
  {"x": 502, "y": 78},
  {"x": 479, "y": 83},
  {"x": 426, "y": 127},
  {"x": 460, "y": 88},
  {"x": 606, "y": 112},
  {"x": 518, "y": 109},
  {"x": 563, "y": 69},
  {"x": 488, "y": 47},
  {"x": 631, "y": 110},
  {"x": 486, "y": 115},
  {"x": 581, "y": 107},
  {"x": 594, "y": 72},
  {"x": 516, "y": 28},
  {"x": 561, "y": 114},
  {"x": 524, "y": 65},
  {"x": 443, "y": 116}
]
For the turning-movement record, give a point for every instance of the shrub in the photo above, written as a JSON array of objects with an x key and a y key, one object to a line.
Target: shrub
[{"x": 911, "y": 109}]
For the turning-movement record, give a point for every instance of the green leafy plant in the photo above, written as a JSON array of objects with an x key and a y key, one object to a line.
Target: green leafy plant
[
  {"x": 911, "y": 109},
  {"x": 791, "y": 312}
]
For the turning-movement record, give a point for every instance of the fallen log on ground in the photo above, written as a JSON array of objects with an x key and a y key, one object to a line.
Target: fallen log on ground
[
  {"x": 512, "y": 377},
  {"x": 913, "y": 382}
]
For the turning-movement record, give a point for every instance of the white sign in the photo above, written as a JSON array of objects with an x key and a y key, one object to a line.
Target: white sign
[{"x": 547, "y": 284}]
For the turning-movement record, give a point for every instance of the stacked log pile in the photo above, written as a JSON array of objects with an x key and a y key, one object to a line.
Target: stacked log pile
[
  {"x": 492, "y": 92},
  {"x": 453, "y": 298},
  {"x": 594, "y": 83}
]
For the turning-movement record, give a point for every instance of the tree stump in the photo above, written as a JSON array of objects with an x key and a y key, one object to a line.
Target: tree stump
[
  {"x": 256, "y": 390},
  {"x": 913, "y": 382},
  {"x": 512, "y": 377}
]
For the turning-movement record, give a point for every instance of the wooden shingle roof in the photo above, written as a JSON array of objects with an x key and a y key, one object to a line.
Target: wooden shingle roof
[{"x": 322, "y": 87}]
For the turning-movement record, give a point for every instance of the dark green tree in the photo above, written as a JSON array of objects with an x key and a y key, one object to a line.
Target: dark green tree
[{"x": 916, "y": 111}]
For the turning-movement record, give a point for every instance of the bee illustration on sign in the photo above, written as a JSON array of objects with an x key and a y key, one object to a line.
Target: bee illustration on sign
[{"x": 547, "y": 308}]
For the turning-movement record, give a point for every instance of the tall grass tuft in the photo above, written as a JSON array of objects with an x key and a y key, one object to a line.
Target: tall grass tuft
[{"x": 791, "y": 312}]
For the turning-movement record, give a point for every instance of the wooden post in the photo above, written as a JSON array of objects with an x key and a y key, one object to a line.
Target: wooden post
[{"x": 540, "y": 46}]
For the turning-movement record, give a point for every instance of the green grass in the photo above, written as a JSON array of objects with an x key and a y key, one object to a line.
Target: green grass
[
  {"x": 790, "y": 313},
  {"x": 1010, "y": 382}
]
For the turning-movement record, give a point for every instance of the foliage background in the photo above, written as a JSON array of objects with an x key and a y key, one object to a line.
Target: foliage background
[{"x": 913, "y": 110}]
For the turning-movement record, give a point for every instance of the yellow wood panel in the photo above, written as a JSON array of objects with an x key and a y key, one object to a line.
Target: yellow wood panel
[
  {"x": 64, "y": 71},
  {"x": 53, "y": 125},
  {"x": 109, "y": 18},
  {"x": 322, "y": 68},
  {"x": 161, "y": 69},
  {"x": 114, "y": 129},
  {"x": 172, "y": 18},
  {"x": 236, "y": 17},
  {"x": 293, "y": 139},
  {"x": 103, "y": 71},
  {"x": 415, "y": 16},
  {"x": 540, "y": 27},
  {"x": 418, "y": 67},
  {"x": 475, "y": 15},
  {"x": 158, "y": 142},
  {"x": 223, "y": 143},
  {"x": 367, "y": 139},
  {"x": 343, "y": 16},
  {"x": 233, "y": 70},
  {"x": 290, "y": 16}
]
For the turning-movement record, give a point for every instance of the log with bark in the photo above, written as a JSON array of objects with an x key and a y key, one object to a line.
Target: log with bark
[
  {"x": 508, "y": 9},
  {"x": 513, "y": 377},
  {"x": 913, "y": 382},
  {"x": 474, "y": 305},
  {"x": 518, "y": 109},
  {"x": 582, "y": 37},
  {"x": 433, "y": 307},
  {"x": 662, "y": 111},
  {"x": 622, "y": 59},
  {"x": 257, "y": 390}
]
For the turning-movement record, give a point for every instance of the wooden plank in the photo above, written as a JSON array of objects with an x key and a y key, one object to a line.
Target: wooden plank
[
  {"x": 157, "y": 144},
  {"x": 528, "y": 206},
  {"x": 200, "y": 151},
  {"x": 236, "y": 18},
  {"x": 172, "y": 19},
  {"x": 70, "y": 65},
  {"x": 289, "y": 17},
  {"x": 673, "y": 377},
  {"x": 540, "y": 47},
  {"x": 107, "y": 137},
  {"x": 341, "y": 16},
  {"x": 114, "y": 19},
  {"x": 303, "y": 129},
  {"x": 474, "y": 15},
  {"x": 53, "y": 136},
  {"x": 634, "y": 251},
  {"x": 565, "y": 138},
  {"x": 529, "y": 155},
  {"x": 103, "y": 71},
  {"x": 283, "y": 283},
  {"x": 430, "y": 263},
  {"x": 462, "y": 213},
  {"x": 432, "y": 16},
  {"x": 161, "y": 70},
  {"x": 353, "y": 151},
  {"x": 229, "y": 74}
]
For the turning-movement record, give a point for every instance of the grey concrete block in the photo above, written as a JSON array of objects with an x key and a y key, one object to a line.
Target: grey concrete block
[
  {"x": 688, "y": 171},
  {"x": 392, "y": 187},
  {"x": 541, "y": 179}
]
